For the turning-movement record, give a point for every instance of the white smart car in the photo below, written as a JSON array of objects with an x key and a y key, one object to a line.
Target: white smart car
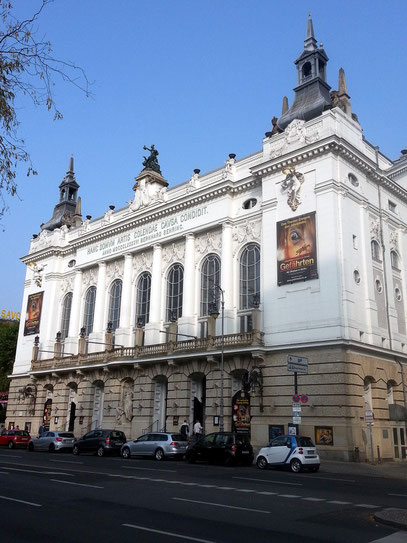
[{"x": 295, "y": 452}]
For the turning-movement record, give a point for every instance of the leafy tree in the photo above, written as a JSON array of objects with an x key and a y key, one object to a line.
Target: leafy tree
[
  {"x": 8, "y": 344},
  {"x": 27, "y": 67}
]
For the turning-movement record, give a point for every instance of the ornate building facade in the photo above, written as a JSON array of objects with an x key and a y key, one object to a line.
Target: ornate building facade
[{"x": 300, "y": 250}]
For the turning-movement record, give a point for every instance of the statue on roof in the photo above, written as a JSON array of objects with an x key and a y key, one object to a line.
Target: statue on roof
[{"x": 151, "y": 162}]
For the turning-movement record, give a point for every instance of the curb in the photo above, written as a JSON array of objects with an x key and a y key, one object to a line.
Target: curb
[{"x": 387, "y": 517}]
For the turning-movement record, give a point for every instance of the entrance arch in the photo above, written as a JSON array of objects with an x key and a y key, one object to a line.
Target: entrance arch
[
  {"x": 160, "y": 404},
  {"x": 197, "y": 398},
  {"x": 98, "y": 398},
  {"x": 72, "y": 401}
]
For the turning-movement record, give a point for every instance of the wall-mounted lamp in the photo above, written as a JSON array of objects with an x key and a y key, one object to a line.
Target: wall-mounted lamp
[
  {"x": 83, "y": 332},
  {"x": 37, "y": 341}
]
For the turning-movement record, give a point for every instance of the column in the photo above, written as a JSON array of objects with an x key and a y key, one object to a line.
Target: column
[
  {"x": 71, "y": 342},
  {"x": 99, "y": 324},
  {"x": 153, "y": 327},
  {"x": 187, "y": 323},
  {"x": 124, "y": 334},
  {"x": 227, "y": 283}
]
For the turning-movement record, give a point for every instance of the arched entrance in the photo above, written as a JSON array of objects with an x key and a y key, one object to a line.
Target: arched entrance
[
  {"x": 160, "y": 404},
  {"x": 98, "y": 397},
  {"x": 46, "y": 418},
  {"x": 197, "y": 399},
  {"x": 71, "y": 414}
]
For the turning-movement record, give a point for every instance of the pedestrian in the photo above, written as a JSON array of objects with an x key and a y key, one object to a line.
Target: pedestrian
[
  {"x": 17, "y": 427},
  {"x": 185, "y": 430},
  {"x": 198, "y": 429}
]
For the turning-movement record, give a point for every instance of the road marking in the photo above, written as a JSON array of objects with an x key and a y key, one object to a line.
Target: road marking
[
  {"x": 314, "y": 499},
  {"x": 179, "y": 536},
  {"x": 67, "y": 461},
  {"x": 327, "y": 478},
  {"x": 151, "y": 469},
  {"x": 243, "y": 490},
  {"x": 268, "y": 493},
  {"x": 9, "y": 456},
  {"x": 339, "y": 502},
  {"x": 401, "y": 495},
  {"x": 366, "y": 505},
  {"x": 222, "y": 487},
  {"x": 20, "y": 501},
  {"x": 289, "y": 496},
  {"x": 267, "y": 481},
  {"x": 76, "y": 484},
  {"x": 222, "y": 505},
  {"x": 4, "y": 473},
  {"x": 42, "y": 472}
]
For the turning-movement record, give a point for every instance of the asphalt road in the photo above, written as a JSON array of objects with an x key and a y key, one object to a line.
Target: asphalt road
[{"x": 60, "y": 497}]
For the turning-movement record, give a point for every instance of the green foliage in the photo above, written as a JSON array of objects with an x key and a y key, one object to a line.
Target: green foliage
[
  {"x": 27, "y": 67},
  {"x": 8, "y": 344}
]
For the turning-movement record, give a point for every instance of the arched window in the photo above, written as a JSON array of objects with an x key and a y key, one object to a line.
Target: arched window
[
  {"x": 143, "y": 299},
  {"x": 250, "y": 276},
  {"x": 115, "y": 300},
  {"x": 89, "y": 312},
  {"x": 394, "y": 258},
  {"x": 375, "y": 250},
  {"x": 210, "y": 276},
  {"x": 367, "y": 392},
  {"x": 175, "y": 284},
  {"x": 66, "y": 315},
  {"x": 390, "y": 391}
]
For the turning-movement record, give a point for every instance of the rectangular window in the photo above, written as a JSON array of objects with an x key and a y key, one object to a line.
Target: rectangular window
[
  {"x": 392, "y": 206},
  {"x": 246, "y": 323},
  {"x": 355, "y": 241}
]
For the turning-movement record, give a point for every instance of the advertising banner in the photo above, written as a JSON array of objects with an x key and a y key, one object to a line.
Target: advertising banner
[
  {"x": 296, "y": 249},
  {"x": 241, "y": 412},
  {"x": 33, "y": 316}
]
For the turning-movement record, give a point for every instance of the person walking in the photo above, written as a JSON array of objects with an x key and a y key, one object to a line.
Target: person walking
[
  {"x": 185, "y": 430},
  {"x": 197, "y": 430}
]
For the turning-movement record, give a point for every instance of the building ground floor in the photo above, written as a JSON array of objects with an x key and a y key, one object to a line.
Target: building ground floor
[{"x": 350, "y": 402}]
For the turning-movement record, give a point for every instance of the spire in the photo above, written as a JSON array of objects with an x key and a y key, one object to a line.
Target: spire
[
  {"x": 312, "y": 93},
  {"x": 77, "y": 217},
  {"x": 342, "y": 89},
  {"x": 310, "y": 43},
  {"x": 70, "y": 168},
  {"x": 284, "y": 108},
  {"x": 341, "y": 98}
]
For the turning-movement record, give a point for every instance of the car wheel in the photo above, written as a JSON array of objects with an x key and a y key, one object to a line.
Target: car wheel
[
  {"x": 295, "y": 465},
  {"x": 261, "y": 462},
  {"x": 51, "y": 448},
  {"x": 31, "y": 447},
  {"x": 126, "y": 452},
  {"x": 75, "y": 450},
  {"x": 159, "y": 454},
  {"x": 11, "y": 444},
  {"x": 101, "y": 451},
  {"x": 314, "y": 468}
]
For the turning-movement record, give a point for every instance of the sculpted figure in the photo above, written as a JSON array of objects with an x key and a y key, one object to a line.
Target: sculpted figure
[
  {"x": 292, "y": 183},
  {"x": 151, "y": 162}
]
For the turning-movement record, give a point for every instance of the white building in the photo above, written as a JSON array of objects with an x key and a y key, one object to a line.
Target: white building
[{"x": 306, "y": 240}]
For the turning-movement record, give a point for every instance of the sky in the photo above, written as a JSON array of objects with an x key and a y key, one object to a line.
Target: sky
[{"x": 197, "y": 78}]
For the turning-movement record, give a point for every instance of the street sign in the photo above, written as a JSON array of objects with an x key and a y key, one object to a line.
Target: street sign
[
  {"x": 296, "y": 398},
  {"x": 296, "y": 414},
  {"x": 296, "y": 420},
  {"x": 297, "y": 364},
  {"x": 304, "y": 398},
  {"x": 369, "y": 417},
  {"x": 297, "y": 408}
]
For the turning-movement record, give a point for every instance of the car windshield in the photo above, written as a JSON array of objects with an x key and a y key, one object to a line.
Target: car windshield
[
  {"x": 305, "y": 442},
  {"x": 20, "y": 433},
  {"x": 242, "y": 440},
  {"x": 65, "y": 434},
  {"x": 178, "y": 437},
  {"x": 118, "y": 435}
]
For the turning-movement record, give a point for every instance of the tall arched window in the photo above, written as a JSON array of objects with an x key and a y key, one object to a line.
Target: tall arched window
[
  {"x": 115, "y": 300},
  {"x": 394, "y": 258},
  {"x": 66, "y": 315},
  {"x": 210, "y": 276},
  {"x": 143, "y": 299},
  {"x": 375, "y": 247},
  {"x": 175, "y": 285},
  {"x": 250, "y": 276},
  {"x": 89, "y": 312}
]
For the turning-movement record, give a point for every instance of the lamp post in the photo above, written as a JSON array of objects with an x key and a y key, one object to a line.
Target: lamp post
[{"x": 214, "y": 312}]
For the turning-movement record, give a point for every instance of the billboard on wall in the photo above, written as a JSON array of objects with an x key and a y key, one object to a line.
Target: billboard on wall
[
  {"x": 33, "y": 315},
  {"x": 297, "y": 249},
  {"x": 241, "y": 412}
]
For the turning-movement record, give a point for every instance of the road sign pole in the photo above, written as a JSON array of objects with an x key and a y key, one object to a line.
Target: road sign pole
[
  {"x": 371, "y": 442},
  {"x": 295, "y": 383}
]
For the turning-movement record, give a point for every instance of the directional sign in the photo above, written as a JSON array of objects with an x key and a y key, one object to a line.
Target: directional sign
[
  {"x": 297, "y": 364},
  {"x": 296, "y": 420}
]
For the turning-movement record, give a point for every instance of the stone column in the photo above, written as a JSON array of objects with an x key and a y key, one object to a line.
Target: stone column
[
  {"x": 125, "y": 334},
  {"x": 152, "y": 328},
  {"x": 227, "y": 283},
  {"x": 99, "y": 324},
  {"x": 187, "y": 323},
  {"x": 71, "y": 342}
]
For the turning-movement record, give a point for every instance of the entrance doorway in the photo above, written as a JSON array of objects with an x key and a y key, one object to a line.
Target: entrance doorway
[
  {"x": 160, "y": 405},
  {"x": 97, "y": 414},
  {"x": 198, "y": 399},
  {"x": 400, "y": 443}
]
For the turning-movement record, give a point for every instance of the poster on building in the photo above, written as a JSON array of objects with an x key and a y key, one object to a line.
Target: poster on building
[
  {"x": 324, "y": 435},
  {"x": 33, "y": 315},
  {"x": 296, "y": 249},
  {"x": 241, "y": 412}
]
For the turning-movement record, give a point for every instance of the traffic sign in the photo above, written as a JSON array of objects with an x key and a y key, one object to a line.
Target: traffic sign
[
  {"x": 297, "y": 408},
  {"x": 369, "y": 416},
  {"x": 296, "y": 398},
  {"x": 297, "y": 364},
  {"x": 296, "y": 420},
  {"x": 304, "y": 398}
]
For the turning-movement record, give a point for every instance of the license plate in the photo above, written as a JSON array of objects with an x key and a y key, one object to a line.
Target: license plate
[
  {"x": 23, "y": 439},
  {"x": 310, "y": 452},
  {"x": 245, "y": 452},
  {"x": 119, "y": 442}
]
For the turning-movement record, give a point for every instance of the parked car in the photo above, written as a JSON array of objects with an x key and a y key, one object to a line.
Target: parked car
[
  {"x": 222, "y": 448},
  {"x": 52, "y": 441},
  {"x": 101, "y": 442},
  {"x": 14, "y": 438},
  {"x": 295, "y": 452},
  {"x": 160, "y": 445}
]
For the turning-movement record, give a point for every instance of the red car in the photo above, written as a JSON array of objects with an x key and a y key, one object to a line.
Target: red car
[{"x": 14, "y": 438}]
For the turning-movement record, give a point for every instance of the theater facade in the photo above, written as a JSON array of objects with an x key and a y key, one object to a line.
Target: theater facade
[{"x": 204, "y": 295}]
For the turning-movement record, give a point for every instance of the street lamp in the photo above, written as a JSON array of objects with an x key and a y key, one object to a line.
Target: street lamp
[{"x": 214, "y": 312}]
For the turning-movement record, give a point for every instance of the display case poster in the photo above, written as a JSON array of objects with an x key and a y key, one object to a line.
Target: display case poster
[
  {"x": 33, "y": 315},
  {"x": 297, "y": 249},
  {"x": 241, "y": 412},
  {"x": 324, "y": 435}
]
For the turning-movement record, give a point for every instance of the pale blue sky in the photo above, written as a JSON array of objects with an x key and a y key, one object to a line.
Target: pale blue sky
[{"x": 199, "y": 79}]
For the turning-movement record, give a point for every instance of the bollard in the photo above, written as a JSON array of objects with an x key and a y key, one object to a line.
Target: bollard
[
  {"x": 356, "y": 455},
  {"x": 378, "y": 455}
]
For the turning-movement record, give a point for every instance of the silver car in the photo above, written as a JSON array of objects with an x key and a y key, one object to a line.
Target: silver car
[
  {"x": 159, "y": 445},
  {"x": 52, "y": 441}
]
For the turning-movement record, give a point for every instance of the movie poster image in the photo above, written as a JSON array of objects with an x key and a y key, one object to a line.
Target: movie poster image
[
  {"x": 296, "y": 249},
  {"x": 241, "y": 412},
  {"x": 324, "y": 435},
  {"x": 33, "y": 316}
]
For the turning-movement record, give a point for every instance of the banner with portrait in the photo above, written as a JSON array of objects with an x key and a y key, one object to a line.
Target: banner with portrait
[
  {"x": 297, "y": 249},
  {"x": 324, "y": 435},
  {"x": 241, "y": 412},
  {"x": 33, "y": 315}
]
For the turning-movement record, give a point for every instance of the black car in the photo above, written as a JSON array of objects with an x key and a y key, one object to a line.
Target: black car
[
  {"x": 227, "y": 448},
  {"x": 101, "y": 442}
]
